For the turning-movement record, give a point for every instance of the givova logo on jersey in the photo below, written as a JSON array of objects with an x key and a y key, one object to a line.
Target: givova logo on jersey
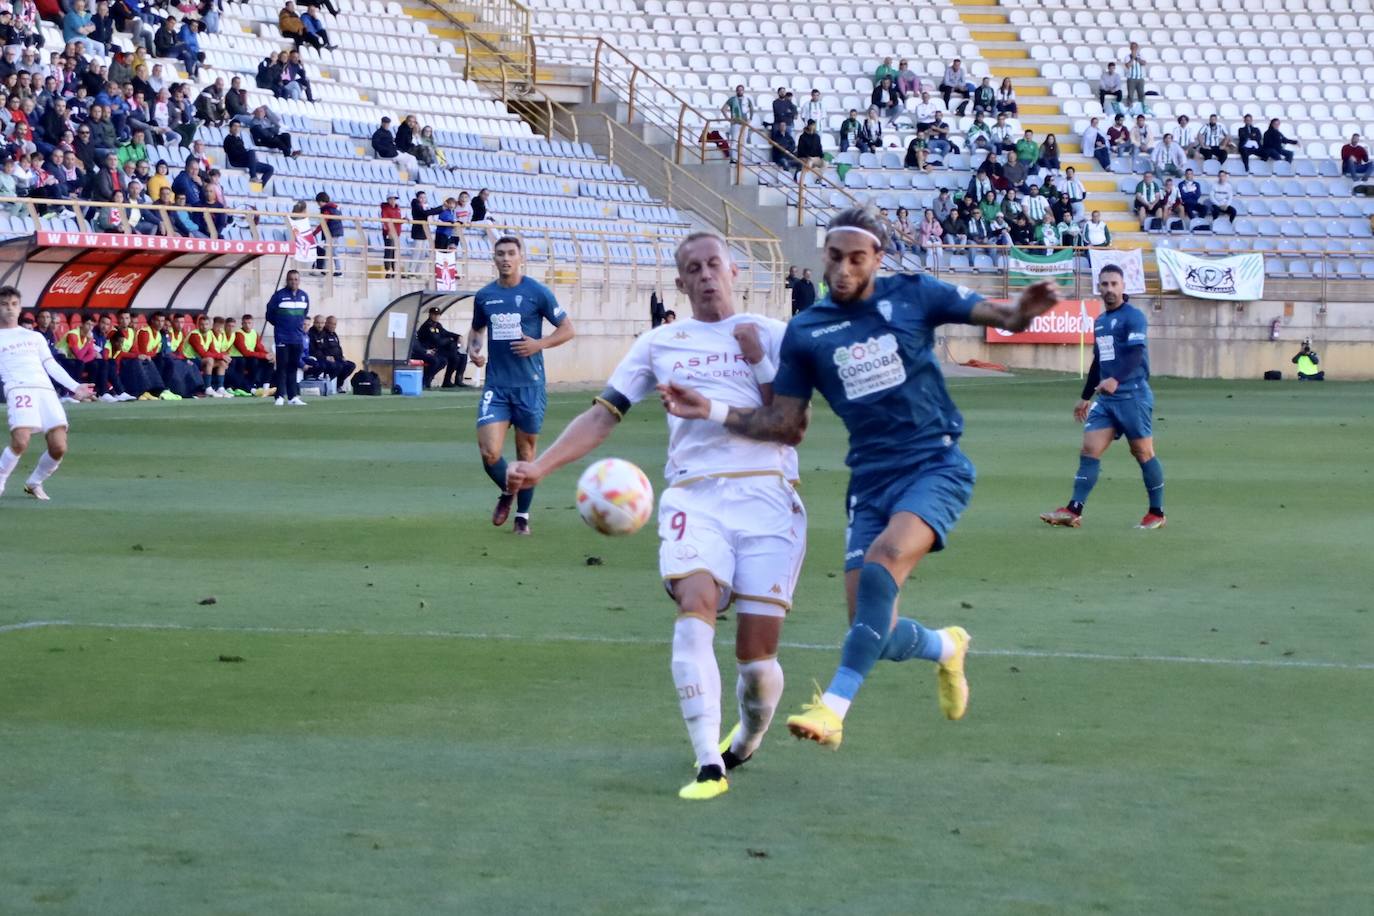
[{"x": 869, "y": 366}]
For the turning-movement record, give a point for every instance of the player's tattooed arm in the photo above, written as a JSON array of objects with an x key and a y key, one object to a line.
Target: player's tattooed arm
[
  {"x": 477, "y": 338},
  {"x": 1035, "y": 300},
  {"x": 784, "y": 420}
]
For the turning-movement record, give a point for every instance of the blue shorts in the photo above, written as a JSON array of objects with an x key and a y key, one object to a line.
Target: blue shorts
[
  {"x": 522, "y": 407},
  {"x": 936, "y": 491},
  {"x": 1130, "y": 415}
]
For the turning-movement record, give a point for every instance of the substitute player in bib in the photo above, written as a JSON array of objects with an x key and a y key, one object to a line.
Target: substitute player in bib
[
  {"x": 26, "y": 364},
  {"x": 868, "y": 348},
  {"x": 511, "y": 311},
  {"x": 730, "y": 523},
  {"x": 1120, "y": 378}
]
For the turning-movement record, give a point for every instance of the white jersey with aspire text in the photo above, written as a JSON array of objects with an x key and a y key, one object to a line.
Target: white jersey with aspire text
[
  {"x": 705, "y": 356},
  {"x": 24, "y": 356}
]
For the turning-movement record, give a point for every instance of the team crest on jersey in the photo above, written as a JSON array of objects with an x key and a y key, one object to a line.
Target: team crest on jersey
[
  {"x": 518, "y": 300},
  {"x": 885, "y": 309}
]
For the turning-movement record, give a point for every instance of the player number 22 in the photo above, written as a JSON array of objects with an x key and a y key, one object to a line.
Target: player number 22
[
  {"x": 23, "y": 401},
  {"x": 679, "y": 524}
]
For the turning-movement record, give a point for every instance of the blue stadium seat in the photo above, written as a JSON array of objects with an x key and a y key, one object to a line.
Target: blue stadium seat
[{"x": 1298, "y": 268}]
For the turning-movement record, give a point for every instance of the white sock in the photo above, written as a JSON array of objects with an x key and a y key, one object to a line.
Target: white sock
[
  {"x": 758, "y": 690},
  {"x": 8, "y": 462},
  {"x": 697, "y": 679},
  {"x": 47, "y": 464},
  {"x": 836, "y": 704},
  {"x": 946, "y": 645}
]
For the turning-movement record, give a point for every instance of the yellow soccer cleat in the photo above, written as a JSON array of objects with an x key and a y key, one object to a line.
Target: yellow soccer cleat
[
  {"x": 710, "y": 783},
  {"x": 729, "y": 739},
  {"x": 950, "y": 675},
  {"x": 817, "y": 723}
]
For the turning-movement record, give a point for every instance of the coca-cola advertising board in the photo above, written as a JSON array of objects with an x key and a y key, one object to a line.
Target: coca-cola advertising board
[
  {"x": 100, "y": 280},
  {"x": 1069, "y": 322}
]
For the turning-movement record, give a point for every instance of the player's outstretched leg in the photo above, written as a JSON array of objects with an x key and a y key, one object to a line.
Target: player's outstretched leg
[
  {"x": 48, "y": 464},
  {"x": 526, "y": 444},
  {"x": 696, "y": 675},
  {"x": 491, "y": 440},
  {"x": 9, "y": 460},
  {"x": 1153, "y": 474},
  {"x": 1095, "y": 443},
  {"x": 758, "y": 689}
]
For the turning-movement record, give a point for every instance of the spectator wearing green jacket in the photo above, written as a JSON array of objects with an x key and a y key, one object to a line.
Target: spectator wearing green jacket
[{"x": 133, "y": 149}]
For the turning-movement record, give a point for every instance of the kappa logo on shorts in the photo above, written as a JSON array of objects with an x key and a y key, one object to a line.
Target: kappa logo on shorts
[
  {"x": 776, "y": 589},
  {"x": 685, "y": 552}
]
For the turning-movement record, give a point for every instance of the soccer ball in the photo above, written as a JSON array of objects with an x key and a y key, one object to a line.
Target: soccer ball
[{"x": 614, "y": 497}]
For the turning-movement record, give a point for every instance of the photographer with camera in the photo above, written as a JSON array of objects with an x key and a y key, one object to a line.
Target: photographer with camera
[{"x": 1306, "y": 361}]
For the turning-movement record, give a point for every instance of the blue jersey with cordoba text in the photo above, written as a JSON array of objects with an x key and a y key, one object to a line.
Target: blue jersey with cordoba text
[
  {"x": 508, "y": 313},
  {"x": 1114, "y": 333}
]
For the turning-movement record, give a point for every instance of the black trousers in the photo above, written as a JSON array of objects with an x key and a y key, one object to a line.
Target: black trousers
[
  {"x": 338, "y": 370},
  {"x": 288, "y": 365}
]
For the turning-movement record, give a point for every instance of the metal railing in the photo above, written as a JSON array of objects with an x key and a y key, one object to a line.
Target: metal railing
[
  {"x": 594, "y": 260},
  {"x": 509, "y": 55}
]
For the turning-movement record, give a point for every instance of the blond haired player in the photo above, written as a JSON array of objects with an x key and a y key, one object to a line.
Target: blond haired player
[
  {"x": 26, "y": 364},
  {"x": 731, "y": 526}
]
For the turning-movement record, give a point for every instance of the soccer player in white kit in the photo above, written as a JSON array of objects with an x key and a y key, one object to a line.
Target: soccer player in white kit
[
  {"x": 26, "y": 363},
  {"x": 731, "y": 525}
]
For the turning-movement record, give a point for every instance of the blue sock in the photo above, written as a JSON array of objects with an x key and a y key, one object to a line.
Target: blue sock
[
  {"x": 1153, "y": 472},
  {"x": 497, "y": 473},
  {"x": 911, "y": 640},
  {"x": 1086, "y": 478},
  {"x": 868, "y": 633},
  {"x": 523, "y": 500}
]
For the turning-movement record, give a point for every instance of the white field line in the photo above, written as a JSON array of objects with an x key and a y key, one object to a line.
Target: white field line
[{"x": 637, "y": 641}]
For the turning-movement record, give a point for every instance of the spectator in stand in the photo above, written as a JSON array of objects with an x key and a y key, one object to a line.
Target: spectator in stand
[
  {"x": 783, "y": 151},
  {"x": 1168, "y": 158},
  {"x": 1049, "y": 154},
  {"x": 417, "y": 253},
  {"x": 925, "y": 114},
  {"x": 1119, "y": 137},
  {"x": 1186, "y": 135},
  {"x": 161, "y": 180},
  {"x": 1142, "y": 136},
  {"x": 937, "y": 138},
  {"x": 1190, "y": 195},
  {"x": 316, "y": 4},
  {"x": 1135, "y": 77},
  {"x": 209, "y": 104},
  {"x": 979, "y": 134},
  {"x": 903, "y": 232},
  {"x": 392, "y": 220},
  {"x": 1095, "y": 233},
  {"x": 189, "y": 35},
  {"x": 1094, "y": 143},
  {"x": 265, "y": 129},
  {"x": 144, "y": 221},
  {"x": 980, "y": 186},
  {"x": 236, "y": 102},
  {"x": 1248, "y": 141},
  {"x": 884, "y": 98},
  {"x": 739, "y": 108},
  {"x": 884, "y": 71},
  {"x": 928, "y": 240},
  {"x": 1045, "y": 233},
  {"x": 784, "y": 109},
  {"x": 1028, "y": 153},
  {"x": 955, "y": 82},
  {"x": 985, "y": 98},
  {"x": 916, "y": 154},
  {"x": 1213, "y": 141},
  {"x": 113, "y": 219},
  {"x": 1149, "y": 199},
  {"x": 315, "y": 27},
  {"x": 1355, "y": 163},
  {"x": 1020, "y": 229},
  {"x": 849, "y": 130},
  {"x": 809, "y": 147},
  {"x": 291, "y": 26},
  {"x": 978, "y": 231},
  {"x": 384, "y": 145},
  {"x": 1036, "y": 205},
  {"x": 1222, "y": 199},
  {"x": 943, "y": 205},
  {"x": 327, "y": 350},
  {"x": 405, "y": 143},
  {"x": 332, "y": 238},
  {"x": 1174, "y": 212},
  {"x": 77, "y": 29},
  {"x": 241, "y": 157},
  {"x": 803, "y": 293},
  {"x": 870, "y": 138},
  {"x": 269, "y": 72},
  {"x": 1109, "y": 84},
  {"x": 167, "y": 43},
  {"x": 1076, "y": 191},
  {"x": 1003, "y": 134},
  {"x": 1013, "y": 177},
  {"x": 1006, "y": 98},
  {"x": 294, "y": 82},
  {"x": 1274, "y": 142},
  {"x": 814, "y": 109},
  {"x": 480, "y": 206},
  {"x": 908, "y": 82}
]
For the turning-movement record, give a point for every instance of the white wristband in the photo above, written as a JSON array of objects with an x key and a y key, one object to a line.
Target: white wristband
[
  {"x": 765, "y": 371},
  {"x": 720, "y": 412}
]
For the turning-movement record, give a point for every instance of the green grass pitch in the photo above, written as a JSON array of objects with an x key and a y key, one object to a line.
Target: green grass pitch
[{"x": 433, "y": 716}]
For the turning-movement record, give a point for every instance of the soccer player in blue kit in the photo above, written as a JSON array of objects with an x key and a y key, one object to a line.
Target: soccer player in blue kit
[
  {"x": 511, "y": 311},
  {"x": 1120, "y": 377},
  {"x": 868, "y": 348}
]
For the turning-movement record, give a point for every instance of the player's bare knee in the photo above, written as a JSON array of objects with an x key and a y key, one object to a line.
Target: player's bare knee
[
  {"x": 889, "y": 553},
  {"x": 759, "y": 629},
  {"x": 1143, "y": 451},
  {"x": 57, "y": 449},
  {"x": 19, "y": 440},
  {"x": 489, "y": 455}
]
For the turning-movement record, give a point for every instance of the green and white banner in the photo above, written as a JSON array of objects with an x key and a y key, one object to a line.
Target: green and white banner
[
  {"x": 1024, "y": 268},
  {"x": 1239, "y": 278}
]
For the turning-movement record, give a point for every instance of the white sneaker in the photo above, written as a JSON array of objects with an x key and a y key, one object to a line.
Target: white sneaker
[
  {"x": 125, "y": 396},
  {"x": 108, "y": 398},
  {"x": 36, "y": 491},
  {"x": 222, "y": 393},
  {"x": 296, "y": 402},
  {"x": 281, "y": 402}
]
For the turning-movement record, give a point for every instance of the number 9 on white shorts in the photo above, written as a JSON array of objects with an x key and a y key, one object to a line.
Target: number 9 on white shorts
[{"x": 749, "y": 533}]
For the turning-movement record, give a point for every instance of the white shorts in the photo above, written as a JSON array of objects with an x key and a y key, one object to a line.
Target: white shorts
[
  {"x": 749, "y": 533},
  {"x": 35, "y": 408}
]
